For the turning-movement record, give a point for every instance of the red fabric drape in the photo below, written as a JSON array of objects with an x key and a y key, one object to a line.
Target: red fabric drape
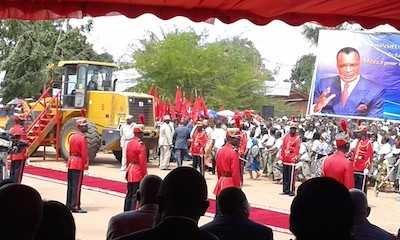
[{"x": 368, "y": 13}]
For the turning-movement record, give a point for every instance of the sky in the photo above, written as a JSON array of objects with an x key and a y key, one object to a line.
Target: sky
[{"x": 279, "y": 44}]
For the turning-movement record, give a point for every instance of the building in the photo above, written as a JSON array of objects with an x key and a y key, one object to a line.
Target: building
[{"x": 291, "y": 97}]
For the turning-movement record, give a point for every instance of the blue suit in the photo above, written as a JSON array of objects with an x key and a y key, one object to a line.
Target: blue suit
[
  {"x": 365, "y": 94},
  {"x": 180, "y": 140}
]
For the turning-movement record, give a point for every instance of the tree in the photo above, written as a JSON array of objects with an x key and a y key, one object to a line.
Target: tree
[
  {"x": 227, "y": 73},
  {"x": 302, "y": 73},
  {"x": 27, "y": 48}
]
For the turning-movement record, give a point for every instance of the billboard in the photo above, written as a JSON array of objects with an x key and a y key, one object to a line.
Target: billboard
[{"x": 357, "y": 75}]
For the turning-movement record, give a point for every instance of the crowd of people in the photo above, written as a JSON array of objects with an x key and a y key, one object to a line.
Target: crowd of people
[
  {"x": 334, "y": 159},
  {"x": 372, "y": 147}
]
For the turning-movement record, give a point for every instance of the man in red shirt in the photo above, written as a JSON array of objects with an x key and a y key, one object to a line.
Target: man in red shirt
[
  {"x": 18, "y": 158},
  {"x": 363, "y": 155},
  {"x": 227, "y": 163},
  {"x": 289, "y": 155},
  {"x": 77, "y": 163},
  {"x": 337, "y": 166},
  {"x": 199, "y": 141},
  {"x": 136, "y": 160}
]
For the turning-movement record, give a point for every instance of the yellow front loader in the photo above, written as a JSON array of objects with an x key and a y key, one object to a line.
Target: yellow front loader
[{"x": 87, "y": 88}]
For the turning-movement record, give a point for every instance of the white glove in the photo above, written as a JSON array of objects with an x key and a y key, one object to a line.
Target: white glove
[
  {"x": 280, "y": 162},
  {"x": 366, "y": 171}
]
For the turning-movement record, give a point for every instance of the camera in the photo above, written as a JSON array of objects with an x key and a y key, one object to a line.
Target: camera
[{"x": 11, "y": 144}]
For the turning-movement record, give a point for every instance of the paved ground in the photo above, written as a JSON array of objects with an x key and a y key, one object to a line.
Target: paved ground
[{"x": 261, "y": 193}]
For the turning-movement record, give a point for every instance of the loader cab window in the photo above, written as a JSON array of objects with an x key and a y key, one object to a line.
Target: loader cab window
[
  {"x": 74, "y": 79},
  {"x": 99, "y": 78}
]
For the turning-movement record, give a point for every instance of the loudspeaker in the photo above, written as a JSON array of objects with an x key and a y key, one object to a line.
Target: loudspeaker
[{"x": 267, "y": 112}]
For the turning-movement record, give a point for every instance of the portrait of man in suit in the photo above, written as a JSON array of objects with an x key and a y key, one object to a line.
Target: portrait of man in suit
[{"x": 348, "y": 93}]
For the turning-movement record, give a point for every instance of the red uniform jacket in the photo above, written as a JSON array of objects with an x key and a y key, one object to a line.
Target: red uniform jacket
[
  {"x": 290, "y": 149},
  {"x": 78, "y": 152},
  {"x": 228, "y": 168},
  {"x": 338, "y": 167},
  {"x": 363, "y": 155},
  {"x": 243, "y": 144},
  {"x": 199, "y": 142},
  {"x": 18, "y": 129},
  {"x": 136, "y": 160}
]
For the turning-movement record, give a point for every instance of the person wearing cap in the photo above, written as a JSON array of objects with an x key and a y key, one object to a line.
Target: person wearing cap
[
  {"x": 77, "y": 163},
  {"x": 136, "y": 156},
  {"x": 126, "y": 135},
  {"x": 337, "y": 165},
  {"x": 228, "y": 163},
  {"x": 199, "y": 141},
  {"x": 165, "y": 141},
  {"x": 363, "y": 155},
  {"x": 18, "y": 159},
  {"x": 289, "y": 154}
]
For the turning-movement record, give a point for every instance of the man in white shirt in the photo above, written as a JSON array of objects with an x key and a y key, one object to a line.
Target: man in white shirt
[
  {"x": 126, "y": 133},
  {"x": 269, "y": 147},
  {"x": 165, "y": 142},
  {"x": 218, "y": 137}
]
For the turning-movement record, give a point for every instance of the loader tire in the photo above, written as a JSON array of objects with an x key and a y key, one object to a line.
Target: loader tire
[{"x": 92, "y": 138}]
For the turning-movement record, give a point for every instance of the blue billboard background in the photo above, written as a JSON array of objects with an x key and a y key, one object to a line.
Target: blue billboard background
[{"x": 380, "y": 62}]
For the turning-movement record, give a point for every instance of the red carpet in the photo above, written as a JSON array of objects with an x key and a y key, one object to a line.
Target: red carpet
[{"x": 262, "y": 216}]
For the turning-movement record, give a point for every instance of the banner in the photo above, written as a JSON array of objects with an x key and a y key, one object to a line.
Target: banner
[{"x": 357, "y": 75}]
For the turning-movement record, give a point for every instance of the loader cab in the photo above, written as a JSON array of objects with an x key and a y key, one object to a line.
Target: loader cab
[{"x": 78, "y": 77}]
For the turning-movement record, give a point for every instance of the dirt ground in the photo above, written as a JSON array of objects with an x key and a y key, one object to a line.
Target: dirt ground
[{"x": 102, "y": 205}]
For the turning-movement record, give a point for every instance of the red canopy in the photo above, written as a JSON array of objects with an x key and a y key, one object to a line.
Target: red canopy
[{"x": 368, "y": 13}]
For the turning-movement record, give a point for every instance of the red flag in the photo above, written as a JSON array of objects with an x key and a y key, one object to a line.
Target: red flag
[
  {"x": 178, "y": 101},
  {"x": 204, "y": 107},
  {"x": 172, "y": 112},
  {"x": 187, "y": 108}
]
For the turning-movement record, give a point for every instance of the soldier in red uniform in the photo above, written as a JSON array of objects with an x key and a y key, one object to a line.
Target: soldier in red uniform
[
  {"x": 77, "y": 163},
  {"x": 227, "y": 163},
  {"x": 337, "y": 165},
  {"x": 242, "y": 152},
  {"x": 199, "y": 141},
  {"x": 363, "y": 155},
  {"x": 136, "y": 158},
  {"x": 289, "y": 155},
  {"x": 18, "y": 158}
]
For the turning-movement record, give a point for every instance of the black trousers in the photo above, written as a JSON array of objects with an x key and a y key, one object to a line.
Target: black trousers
[
  {"x": 130, "y": 199},
  {"x": 198, "y": 162},
  {"x": 360, "y": 181},
  {"x": 179, "y": 156},
  {"x": 74, "y": 189},
  {"x": 288, "y": 178},
  {"x": 213, "y": 162},
  {"x": 217, "y": 209},
  {"x": 17, "y": 170}
]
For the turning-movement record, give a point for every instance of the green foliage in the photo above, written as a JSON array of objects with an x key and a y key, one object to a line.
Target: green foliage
[
  {"x": 302, "y": 73},
  {"x": 227, "y": 73},
  {"x": 27, "y": 48}
]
